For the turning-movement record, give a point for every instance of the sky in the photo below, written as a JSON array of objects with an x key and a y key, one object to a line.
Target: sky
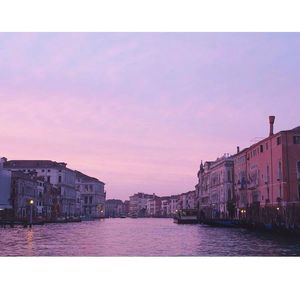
[{"x": 139, "y": 111}]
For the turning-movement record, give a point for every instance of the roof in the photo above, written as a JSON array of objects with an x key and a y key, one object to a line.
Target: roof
[
  {"x": 85, "y": 178},
  {"x": 34, "y": 164},
  {"x": 113, "y": 201}
]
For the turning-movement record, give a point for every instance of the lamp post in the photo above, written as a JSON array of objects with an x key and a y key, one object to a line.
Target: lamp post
[{"x": 30, "y": 216}]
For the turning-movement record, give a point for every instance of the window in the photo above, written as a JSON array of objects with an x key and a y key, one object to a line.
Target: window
[
  {"x": 268, "y": 174},
  {"x": 261, "y": 148},
  {"x": 43, "y": 171},
  {"x": 278, "y": 140},
  {"x": 48, "y": 179},
  {"x": 85, "y": 200},
  {"x": 228, "y": 176},
  {"x": 91, "y": 199},
  {"x": 59, "y": 179},
  {"x": 296, "y": 139},
  {"x": 298, "y": 169},
  {"x": 279, "y": 170}
]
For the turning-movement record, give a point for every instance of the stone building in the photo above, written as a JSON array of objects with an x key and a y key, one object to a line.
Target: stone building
[
  {"x": 138, "y": 204},
  {"x": 114, "y": 208},
  {"x": 153, "y": 206},
  {"x": 5, "y": 187},
  {"x": 165, "y": 206},
  {"x": 174, "y": 201},
  {"x": 24, "y": 192},
  {"x": 215, "y": 188},
  {"x": 187, "y": 200},
  {"x": 57, "y": 174},
  {"x": 92, "y": 195}
]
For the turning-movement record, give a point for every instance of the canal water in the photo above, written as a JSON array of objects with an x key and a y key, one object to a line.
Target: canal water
[{"x": 141, "y": 237}]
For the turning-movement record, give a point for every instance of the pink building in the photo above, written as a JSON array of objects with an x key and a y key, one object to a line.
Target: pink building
[{"x": 268, "y": 172}]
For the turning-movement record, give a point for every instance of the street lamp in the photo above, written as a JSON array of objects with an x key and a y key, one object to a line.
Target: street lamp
[{"x": 30, "y": 217}]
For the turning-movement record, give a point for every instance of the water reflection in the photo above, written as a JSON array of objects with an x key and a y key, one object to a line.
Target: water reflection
[
  {"x": 29, "y": 240},
  {"x": 141, "y": 237}
]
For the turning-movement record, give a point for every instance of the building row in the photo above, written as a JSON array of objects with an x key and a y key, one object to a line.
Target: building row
[
  {"x": 264, "y": 176},
  {"x": 48, "y": 189},
  {"x": 150, "y": 205}
]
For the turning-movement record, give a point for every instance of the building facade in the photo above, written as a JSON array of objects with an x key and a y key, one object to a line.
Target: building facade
[
  {"x": 5, "y": 189},
  {"x": 92, "y": 195},
  {"x": 138, "y": 204},
  {"x": 154, "y": 206},
  {"x": 57, "y": 174},
  {"x": 215, "y": 188},
  {"x": 261, "y": 182},
  {"x": 114, "y": 208},
  {"x": 268, "y": 172}
]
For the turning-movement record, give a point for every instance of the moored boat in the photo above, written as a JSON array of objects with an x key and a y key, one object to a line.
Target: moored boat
[{"x": 187, "y": 216}]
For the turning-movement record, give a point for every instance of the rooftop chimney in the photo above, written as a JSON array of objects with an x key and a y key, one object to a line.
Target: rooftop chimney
[
  {"x": 271, "y": 120},
  {"x": 237, "y": 149}
]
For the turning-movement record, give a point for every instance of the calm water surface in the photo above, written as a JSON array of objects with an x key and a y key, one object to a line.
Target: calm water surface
[{"x": 141, "y": 237}]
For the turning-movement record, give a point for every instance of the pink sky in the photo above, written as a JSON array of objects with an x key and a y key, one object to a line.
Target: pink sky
[{"x": 140, "y": 110}]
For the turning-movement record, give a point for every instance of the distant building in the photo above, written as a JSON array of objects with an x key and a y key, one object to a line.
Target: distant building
[
  {"x": 153, "y": 206},
  {"x": 92, "y": 195},
  {"x": 5, "y": 183},
  {"x": 187, "y": 200},
  {"x": 126, "y": 208},
  {"x": 165, "y": 210},
  {"x": 114, "y": 208},
  {"x": 138, "y": 204},
  {"x": 174, "y": 203},
  {"x": 57, "y": 174}
]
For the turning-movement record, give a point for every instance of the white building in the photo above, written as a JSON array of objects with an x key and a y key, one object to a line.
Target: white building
[
  {"x": 153, "y": 206},
  {"x": 92, "y": 195},
  {"x": 55, "y": 173},
  {"x": 165, "y": 207},
  {"x": 215, "y": 187}
]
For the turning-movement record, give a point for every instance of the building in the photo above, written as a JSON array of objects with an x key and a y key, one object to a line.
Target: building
[
  {"x": 215, "y": 188},
  {"x": 268, "y": 172},
  {"x": 261, "y": 182},
  {"x": 153, "y": 206},
  {"x": 174, "y": 204},
  {"x": 126, "y": 208},
  {"x": 55, "y": 173},
  {"x": 92, "y": 195},
  {"x": 138, "y": 204},
  {"x": 114, "y": 208},
  {"x": 24, "y": 192},
  {"x": 187, "y": 200},
  {"x": 165, "y": 207},
  {"x": 5, "y": 184}
]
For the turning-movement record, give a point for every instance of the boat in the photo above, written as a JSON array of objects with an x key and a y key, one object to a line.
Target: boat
[{"x": 186, "y": 216}]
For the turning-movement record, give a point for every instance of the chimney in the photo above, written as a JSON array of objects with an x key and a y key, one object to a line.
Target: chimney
[
  {"x": 271, "y": 120},
  {"x": 237, "y": 149}
]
